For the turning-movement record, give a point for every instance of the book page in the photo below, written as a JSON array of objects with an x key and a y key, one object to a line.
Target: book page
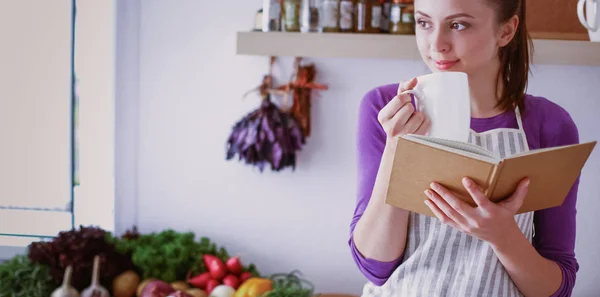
[
  {"x": 546, "y": 149},
  {"x": 455, "y": 145}
]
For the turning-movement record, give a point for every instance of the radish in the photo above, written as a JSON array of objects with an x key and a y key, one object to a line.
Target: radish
[
  {"x": 211, "y": 285},
  {"x": 234, "y": 265},
  {"x": 231, "y": 280},
  {"x": 200, "y": 280},
  {"x": 215, "y": 266},
  {"x": 245, "y": 276}
]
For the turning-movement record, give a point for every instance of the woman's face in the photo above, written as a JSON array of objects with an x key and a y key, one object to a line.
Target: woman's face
[{"x": 460, "y": 35}]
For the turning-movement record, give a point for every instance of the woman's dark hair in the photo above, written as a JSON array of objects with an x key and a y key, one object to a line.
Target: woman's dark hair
[{"x": 515, "y": 56}]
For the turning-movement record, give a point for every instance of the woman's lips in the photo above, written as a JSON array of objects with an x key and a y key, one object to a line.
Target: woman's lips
[{"x": 445, "y": 64}]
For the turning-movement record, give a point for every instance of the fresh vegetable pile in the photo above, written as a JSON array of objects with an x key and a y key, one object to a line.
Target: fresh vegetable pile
[
  {"x": 171, "y": 256},
  {"x": 163, "y": 264}
]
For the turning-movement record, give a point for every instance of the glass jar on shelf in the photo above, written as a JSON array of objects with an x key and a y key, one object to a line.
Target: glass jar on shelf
[
  {"x": 329, "y": 16},
  {"x": 309, "y": 16},
  {"x": 291, "y": 15},
  {"x": 346, "y": 15},
  {"x": 271, "y": 16},
  {"x": 408, "y": 18},
  {"x": 376, "y": 16},
  {"x": 385, "y": 16},
  {"x": 362, "y": 22},
  {"x": 402, "y": 20}
]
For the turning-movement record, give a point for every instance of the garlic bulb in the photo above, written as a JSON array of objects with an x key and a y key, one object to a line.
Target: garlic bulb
[
  {"x": 66, "y": 290},
  {"x": 95, "y": 289}
]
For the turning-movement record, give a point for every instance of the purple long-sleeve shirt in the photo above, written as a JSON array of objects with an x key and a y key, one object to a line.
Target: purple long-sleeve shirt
[{"x": 546, "y": 124}]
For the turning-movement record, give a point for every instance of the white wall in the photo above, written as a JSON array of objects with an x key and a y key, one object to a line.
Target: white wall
[{"x": 172, "y": 131}]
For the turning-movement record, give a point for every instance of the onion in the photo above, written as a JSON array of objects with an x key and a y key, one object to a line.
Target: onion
[
  {"x": 222, "y": 291},
  {"x": 157, "y": 288},
  {"x": 142, "y": 285}
]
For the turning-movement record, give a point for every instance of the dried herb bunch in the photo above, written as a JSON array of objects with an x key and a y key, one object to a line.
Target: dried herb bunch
[
  {"x": 266, "y": 136},
  {"x": 302, "y": 85},
  {"x": 78, "y": 249}
]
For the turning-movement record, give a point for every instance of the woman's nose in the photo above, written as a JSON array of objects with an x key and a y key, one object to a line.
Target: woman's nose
[{"x": 439, "y": 42}]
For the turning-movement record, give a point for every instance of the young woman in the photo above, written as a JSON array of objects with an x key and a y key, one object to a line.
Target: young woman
[{"x": 487, "y": 250}]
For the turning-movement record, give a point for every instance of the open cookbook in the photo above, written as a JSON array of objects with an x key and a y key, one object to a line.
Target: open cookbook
[{"x": 421, "y": 160}]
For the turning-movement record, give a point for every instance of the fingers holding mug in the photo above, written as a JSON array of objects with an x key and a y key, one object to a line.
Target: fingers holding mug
[
  {"x": 391, "y": 109},
  {"x": 416, "y": 123},
  {"x": 396, "y": 125},
  {"x": 403, "y": 115},
  {"x": 407, "y": 85},
  {"x": 405, "y": 89},
  {"x": 424, "y": 128},
  {"x": 398, "y": 117},
  {"x": 398, "y": 102}
]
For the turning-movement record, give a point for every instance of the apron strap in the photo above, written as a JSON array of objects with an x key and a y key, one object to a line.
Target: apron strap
[
  {"x": 519, "y": 121},
  {"x": 521, "y": 128}
]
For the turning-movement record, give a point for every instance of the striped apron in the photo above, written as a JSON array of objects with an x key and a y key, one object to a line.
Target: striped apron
[{"x": 442, "y": 261}]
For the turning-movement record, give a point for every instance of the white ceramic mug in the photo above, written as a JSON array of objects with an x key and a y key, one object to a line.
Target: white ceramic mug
[
  {"x": 444, "y": 98},
  {"x": 590, "y": 17}
]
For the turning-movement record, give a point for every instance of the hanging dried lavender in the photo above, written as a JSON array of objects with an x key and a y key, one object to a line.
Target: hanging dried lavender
[{"x": 266, "y": 136}]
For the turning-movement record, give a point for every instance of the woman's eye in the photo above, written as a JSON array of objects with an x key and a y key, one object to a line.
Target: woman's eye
[
  {"x": 423, "y": 24},
  {"x": 458, "y": 26}
]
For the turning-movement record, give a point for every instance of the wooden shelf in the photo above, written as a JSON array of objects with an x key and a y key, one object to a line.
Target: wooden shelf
[{"x": 387, "y": 46}]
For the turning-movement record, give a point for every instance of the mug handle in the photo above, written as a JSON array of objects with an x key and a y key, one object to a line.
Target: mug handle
[
  {"x": 419, "y": 106},
  {"x": 581, "y": 14}
]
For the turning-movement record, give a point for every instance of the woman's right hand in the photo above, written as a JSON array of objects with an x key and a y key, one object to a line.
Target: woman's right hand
[{"x": 398, "y": 117}]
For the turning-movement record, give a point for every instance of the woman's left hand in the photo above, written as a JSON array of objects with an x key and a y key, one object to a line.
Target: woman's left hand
[{"x": 487, "y": 221}]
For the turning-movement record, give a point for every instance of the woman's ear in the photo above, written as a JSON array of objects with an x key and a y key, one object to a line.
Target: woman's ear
[{"x": 508, "y": 31}]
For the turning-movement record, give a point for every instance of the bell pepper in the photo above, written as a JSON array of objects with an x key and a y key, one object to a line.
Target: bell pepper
[{"x": 254, "y": 287}]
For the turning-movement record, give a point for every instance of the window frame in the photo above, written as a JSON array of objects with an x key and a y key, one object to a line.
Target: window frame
[{"x": 95, "y": 67}]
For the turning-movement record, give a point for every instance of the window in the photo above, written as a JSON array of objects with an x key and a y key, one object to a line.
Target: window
[{"x": 57, "y": 132}]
